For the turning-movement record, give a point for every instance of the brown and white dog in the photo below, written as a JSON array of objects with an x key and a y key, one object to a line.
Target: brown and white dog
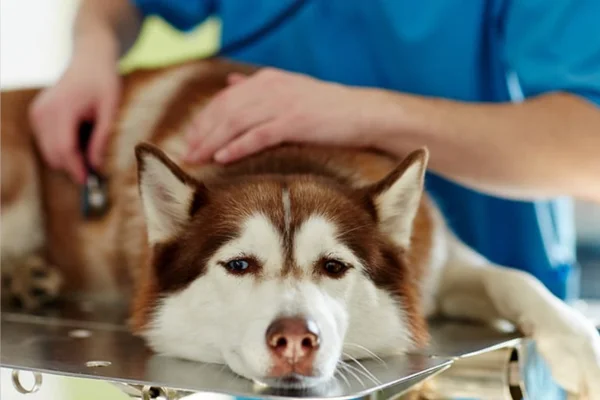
[{"x": 279, "y": 265}]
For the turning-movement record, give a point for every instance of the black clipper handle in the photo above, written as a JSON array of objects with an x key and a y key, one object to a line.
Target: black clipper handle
[{"x": 94, "y": 194}]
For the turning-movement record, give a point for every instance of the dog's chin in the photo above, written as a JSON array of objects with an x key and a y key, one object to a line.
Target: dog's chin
[
  {"x": 240, "y": 365},
  {"x": 292, "y": 382}
]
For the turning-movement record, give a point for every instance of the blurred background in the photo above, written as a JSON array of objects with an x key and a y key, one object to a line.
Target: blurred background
[{"x": 34, "y": 49}]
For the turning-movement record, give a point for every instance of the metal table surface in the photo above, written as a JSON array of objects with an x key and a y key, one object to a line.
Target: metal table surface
[{"x": 90, "y": 340}]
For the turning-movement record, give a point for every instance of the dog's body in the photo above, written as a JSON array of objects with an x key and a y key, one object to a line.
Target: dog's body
[{"x": 278, "y": 265}]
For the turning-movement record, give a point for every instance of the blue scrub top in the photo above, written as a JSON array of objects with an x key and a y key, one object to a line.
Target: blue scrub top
[{"x": 468, "y": 50}]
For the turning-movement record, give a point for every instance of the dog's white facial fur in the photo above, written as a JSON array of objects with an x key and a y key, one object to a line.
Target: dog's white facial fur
[{"x": 222, "y": 317}]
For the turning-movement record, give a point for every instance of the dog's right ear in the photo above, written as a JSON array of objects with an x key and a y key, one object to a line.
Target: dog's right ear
[
  {"x": 169, "y": 195},
  {"x": 397, "y": 196}
]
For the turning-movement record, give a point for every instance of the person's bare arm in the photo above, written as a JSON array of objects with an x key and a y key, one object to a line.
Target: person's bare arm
[
  {"x": 89, "y": 88},
  {"x": 543, "y": 147},
  {"x": 114, "y": 24}
]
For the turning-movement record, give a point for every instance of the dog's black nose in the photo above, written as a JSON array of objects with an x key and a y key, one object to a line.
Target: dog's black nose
[{"x": 293, "y": 339}]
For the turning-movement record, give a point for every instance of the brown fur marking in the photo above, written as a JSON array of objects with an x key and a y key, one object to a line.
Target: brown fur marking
[{"x": 331, "y": 181}]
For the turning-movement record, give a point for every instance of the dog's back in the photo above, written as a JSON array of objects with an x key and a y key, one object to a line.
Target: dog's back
[{"x": 99, "y": 255}]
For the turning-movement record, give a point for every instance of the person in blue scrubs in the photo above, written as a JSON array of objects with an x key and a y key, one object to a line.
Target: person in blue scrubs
[{"x": 504, "y": 93}]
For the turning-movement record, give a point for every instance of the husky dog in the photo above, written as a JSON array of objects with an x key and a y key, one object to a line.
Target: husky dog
[{"x": 278, "y": 265}]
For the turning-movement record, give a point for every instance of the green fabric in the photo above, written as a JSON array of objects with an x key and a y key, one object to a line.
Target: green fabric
[{"x": 159, "y": 44}]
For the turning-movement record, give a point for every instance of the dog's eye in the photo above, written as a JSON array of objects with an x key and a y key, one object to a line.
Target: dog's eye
[
  {"x": 237, "y": 265},
  {"x": 334, "y": 268},
  {"x": 241, "y": 266}
]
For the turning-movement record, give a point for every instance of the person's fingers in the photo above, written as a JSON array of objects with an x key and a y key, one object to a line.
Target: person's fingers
[
  {"x": 51, "y": 120},
  {"x": 227, "y": 102},
  {"x": 74, "y": 165},
  {"x": 219, "y": 123},
  {"x": 235, "y": 78},
  {"x": 66, "y": 143},
  {"x": 105, "y": 117},
  {"x": 224, "y": 134},
  {"x": 198, "y": 133},
  {"x": 205, "y": 121},
  {"x": 38, "y": 117},
  {"x": 255, "y": 140}
]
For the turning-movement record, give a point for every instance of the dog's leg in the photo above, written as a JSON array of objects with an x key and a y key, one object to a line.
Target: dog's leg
[
  {"x": 471, "y": 287},
  {"x": 32, "y": 282},
  {"x": 26, "y": 277}
]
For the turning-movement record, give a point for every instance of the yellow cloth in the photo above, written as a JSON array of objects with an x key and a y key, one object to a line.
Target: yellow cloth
[{"x": 159, "y": 44}]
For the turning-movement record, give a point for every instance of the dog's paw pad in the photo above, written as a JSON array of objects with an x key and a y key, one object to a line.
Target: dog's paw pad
[{"x": 33, "y": 283}]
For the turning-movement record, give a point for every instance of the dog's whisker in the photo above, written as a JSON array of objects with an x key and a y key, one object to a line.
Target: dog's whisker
[
  {"x": 356, "y": 377},
  {"x": 341, "y": 374},
  {"x": 351, "y": 372},
  {"x": 362, "y": 373},
  {"x": 366, "y": 371},
  {"x": 369, "y": 352}
]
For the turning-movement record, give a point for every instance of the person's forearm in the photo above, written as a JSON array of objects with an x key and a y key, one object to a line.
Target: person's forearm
[
  {"x": 546, "y": 146},
  {"x": 108, "y": 25}
]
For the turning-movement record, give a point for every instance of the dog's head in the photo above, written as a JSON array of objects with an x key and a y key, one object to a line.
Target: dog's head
[{"x": 278, "y": 277}]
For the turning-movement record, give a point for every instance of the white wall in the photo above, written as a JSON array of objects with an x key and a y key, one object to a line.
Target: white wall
[{"x": 34, "y": 40}]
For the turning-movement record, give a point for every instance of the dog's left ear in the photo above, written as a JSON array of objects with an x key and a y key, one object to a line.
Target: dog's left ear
[
  {"x": 397, "y": 197},
  {"x": 169, "y": 195}
]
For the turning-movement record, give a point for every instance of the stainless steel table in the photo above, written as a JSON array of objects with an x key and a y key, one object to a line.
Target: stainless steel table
[{"x": 87, "y": 339}]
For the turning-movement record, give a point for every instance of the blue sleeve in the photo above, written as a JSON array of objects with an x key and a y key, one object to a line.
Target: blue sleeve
[
  {"x": 554, "y": 46},
  {"x": 182, "y": 14}
]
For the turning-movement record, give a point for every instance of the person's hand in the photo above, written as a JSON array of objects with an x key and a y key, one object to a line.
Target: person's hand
[
  {"x": 272, "y": 107},
  {"x": 88, "y": 90}
]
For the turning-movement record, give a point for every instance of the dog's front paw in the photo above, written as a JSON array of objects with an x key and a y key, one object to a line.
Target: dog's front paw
[
  {"x": 32, "y": 283},
  {"x": 571, "y": 347}
]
